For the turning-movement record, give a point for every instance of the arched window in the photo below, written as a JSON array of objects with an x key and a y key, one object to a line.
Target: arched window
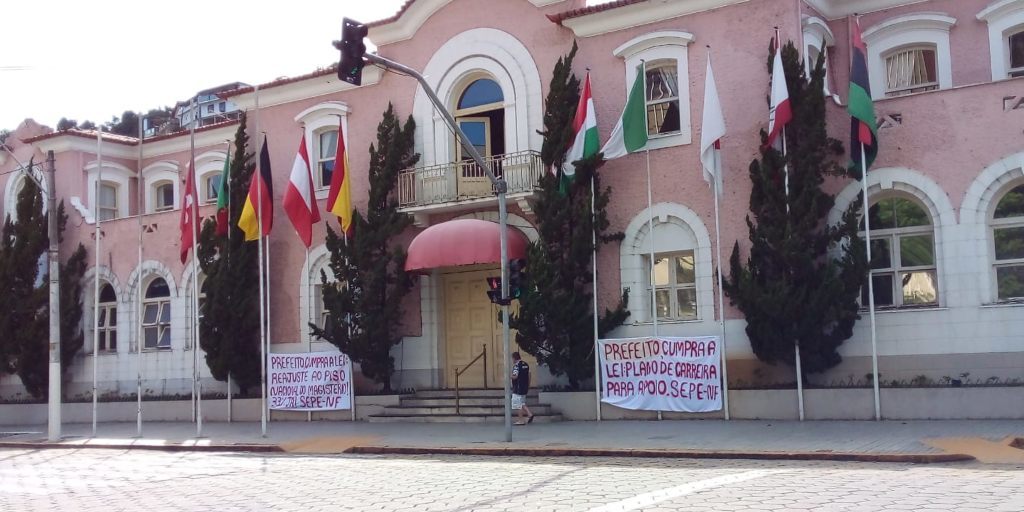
[
  {"x": 1008, "y": 240},
  {"x": 107, "y": 319},
  {"x": 156, "y": 315},
  {"x": 903, "y": 269},
  {"x": 1015, "y": 53},
  {"x": 163, "y": 192},
  {"x": 480, "y": 112},
  {"x": 326, "y": 151},
  {"x": 108, "y": 204},
  {"x": 910, "y": 69},
  {"x": 319, "y": 310},
  {"x": 662, "y": 95},
  {"x": 212, "y": 188}
]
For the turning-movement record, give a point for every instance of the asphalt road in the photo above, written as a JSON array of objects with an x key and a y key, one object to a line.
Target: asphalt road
[{"x": 93, "y": 480}]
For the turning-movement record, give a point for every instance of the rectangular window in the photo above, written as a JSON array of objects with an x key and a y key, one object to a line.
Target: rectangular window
[
  {"x": 662, "y": 96},
  {"x": 1016, "y": 53},
  {"x": 320, "y": 312},
  {"x": 108, "y": 328},
  {"x": 156, "y": 325},
  {"x": 675, "y": 286},
  {"x": 223, "y": 107},
  {"x": 327, "y": 149},
  {"x": 911, "y": 70},
  {"x": 164, "y": 197},
  {"x": 209, "y": 108},
  {"x": 212, "y": 188},
  {"x": 108, "y": 201}
]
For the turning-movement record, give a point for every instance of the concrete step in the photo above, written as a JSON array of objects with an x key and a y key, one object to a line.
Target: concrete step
[
  {"x": 404, "y": 410},
  {"x": 432, "y": 393},
  {"x": 450, "y": 401},
  {"x": 451, "y": 418}
]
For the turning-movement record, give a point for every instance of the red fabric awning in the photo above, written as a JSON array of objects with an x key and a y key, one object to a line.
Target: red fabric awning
[{"x": 462, "y": 242}]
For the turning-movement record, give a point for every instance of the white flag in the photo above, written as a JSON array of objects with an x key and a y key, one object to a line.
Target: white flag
[{"x": 711, "y": 132}]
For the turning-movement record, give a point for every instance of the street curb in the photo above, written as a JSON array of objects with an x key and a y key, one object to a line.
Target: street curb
[
  {"x": 245, "y": 448},
  {"x": 915, "y": 458}
]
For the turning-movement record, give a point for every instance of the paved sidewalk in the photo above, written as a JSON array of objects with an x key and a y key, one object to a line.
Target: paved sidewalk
[{"x": 908, "y": 441}]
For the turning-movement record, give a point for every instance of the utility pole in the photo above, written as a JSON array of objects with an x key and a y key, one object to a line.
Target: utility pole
[{"x": 54, "y": 399}]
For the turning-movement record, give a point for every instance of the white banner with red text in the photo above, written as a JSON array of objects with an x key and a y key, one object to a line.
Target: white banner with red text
[
  {"x": 662, "y": 373},
  {"x": 310, "y": 381}
]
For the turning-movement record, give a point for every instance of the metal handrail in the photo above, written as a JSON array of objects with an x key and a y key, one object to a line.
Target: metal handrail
[{"x": 458, "y": 372}]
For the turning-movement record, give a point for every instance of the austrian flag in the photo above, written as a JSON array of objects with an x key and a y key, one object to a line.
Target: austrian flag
[{"x": 299, "y": 199}]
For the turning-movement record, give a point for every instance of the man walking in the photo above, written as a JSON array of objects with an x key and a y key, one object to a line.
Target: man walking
[{"x": 520, "y": 388}]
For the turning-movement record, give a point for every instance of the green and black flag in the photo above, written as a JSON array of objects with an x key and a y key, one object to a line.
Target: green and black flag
[{"x": 863, "y": 128}]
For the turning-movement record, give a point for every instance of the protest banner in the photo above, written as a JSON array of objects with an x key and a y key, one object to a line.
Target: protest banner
[
  {"x": 662, "y": 373},
  {"x": 311, "y": 381}
]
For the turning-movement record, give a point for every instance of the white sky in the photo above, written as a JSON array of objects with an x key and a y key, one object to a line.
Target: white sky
[{"x": 96, "y": 59}]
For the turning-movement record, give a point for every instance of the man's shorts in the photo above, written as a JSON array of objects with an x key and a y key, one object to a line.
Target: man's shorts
[{"x": 518, "y": 401}]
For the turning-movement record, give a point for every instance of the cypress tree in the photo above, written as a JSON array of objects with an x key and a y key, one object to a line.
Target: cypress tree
[
  {"x": 364, "y": 303},
  {"x": 25, "y": 304},
  {"x": 230, "y": 326},
  {"x": 801, "y": 281},
  {"x": 555, "y": 322}
]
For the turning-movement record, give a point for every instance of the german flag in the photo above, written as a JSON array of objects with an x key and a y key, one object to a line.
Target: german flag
[{"x": 259, "y": 205}]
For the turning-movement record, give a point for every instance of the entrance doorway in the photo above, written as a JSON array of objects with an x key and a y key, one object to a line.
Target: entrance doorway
[{"x": 471, "y": 326}]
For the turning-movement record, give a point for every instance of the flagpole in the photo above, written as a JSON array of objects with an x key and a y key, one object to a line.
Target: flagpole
[
  {"x": 226, "y": 187},
  {"x": 259, "y": 256},
  {"x": 96, "y": 275},
  {"x": 309, "y": 302},
  {"x": 785, "y": 171},
  {"x": 266, "y": 252},
  {"x": 871, "y": 285},
  {"x": 597, "y": 344},
  {"x": 138, "y": 333},
  {"x": 721, "y": 296},
  {"x": 197, "y": 385}
]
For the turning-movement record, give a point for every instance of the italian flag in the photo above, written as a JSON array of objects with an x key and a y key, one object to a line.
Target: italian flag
[
  {"x": 630, "y": 132},
  {"x": 585, "y": 144}
]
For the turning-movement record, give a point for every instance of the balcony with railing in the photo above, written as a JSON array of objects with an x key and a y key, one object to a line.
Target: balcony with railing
[{"x": 463, "y": 184}]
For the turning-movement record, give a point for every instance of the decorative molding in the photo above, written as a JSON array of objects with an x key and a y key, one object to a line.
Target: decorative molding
[
  {"x": 928, "y": 28},
  {"x": 1002, "y": 17},
  {"x": 406, "y": 24},
  {"x": 915, "y": 21},
  {"x": 650, "y": 40},
  {"x": 833, "y": 9},
  {"x": 181, "y": 143},
  {"x": 642, "y": 13},
  {"x": 304, "y": 89}
]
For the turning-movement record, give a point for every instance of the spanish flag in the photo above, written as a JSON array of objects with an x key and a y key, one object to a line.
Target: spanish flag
[
  {"x": 258, "y": 204},
  {"x": 339, "y": 198}
]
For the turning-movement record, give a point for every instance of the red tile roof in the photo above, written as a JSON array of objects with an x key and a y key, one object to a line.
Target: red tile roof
[
  {"x": 591, "y": 9},
  {"x": 280, "y": 81},
  {"x": 392, "y": 19},
  {"x": 87, "y": 134}
]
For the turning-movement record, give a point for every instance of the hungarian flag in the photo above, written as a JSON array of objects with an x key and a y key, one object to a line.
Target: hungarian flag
[
  {"x": 585, "y": 144},
  {"x": 630, "y": 132},
  {"x": 863, "y": 129},
  {"x": 711, "y": 132},
  {"x": 300, "y": 199},
  {"x": 222, "y": 199},
  {"x": 189, "y": 213},
  {"x": 780, "y": 112},
  {"x": 259, "y": 207},
  {"x": 339, "y": 197}
]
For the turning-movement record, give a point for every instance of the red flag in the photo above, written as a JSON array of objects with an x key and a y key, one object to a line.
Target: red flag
[
  {"x": 300, "y": 198},
  {"x": 781, "y": 112},
  {"x": 189, "y": 213}
]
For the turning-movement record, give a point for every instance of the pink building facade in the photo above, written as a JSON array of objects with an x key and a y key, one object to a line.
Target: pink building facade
[{"x": 951, "y": 111}]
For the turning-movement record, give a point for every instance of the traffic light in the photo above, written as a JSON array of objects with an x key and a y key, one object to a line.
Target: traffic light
[
  {"x": 350, "y": 67},
  {"x": 494, "y": 290},
  {"x": 516, "y": 276}
]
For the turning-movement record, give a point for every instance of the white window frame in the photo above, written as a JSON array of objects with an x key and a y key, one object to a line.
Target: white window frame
[
  {"x": 317, "y": 119},
  {"x": 1010, "y": 70},
  {"x": 310, "y": 300},
  {"x": 993, "y": 224},
  {"x": 113, "y": 173},
  {"x": 108, "y": 310},
  {"x": 102, "y": 208},
  {"x": 157, "y": 207},
  {"x": 209, "y": 198},
  {"x": 653, "y": 47},
  {"x": 918, "y": 29},
  {"x": 161, "y": 304},
  {"x": 676, "y": 229},
  {"x": 816, "y": 35},
  {"x": 896, "y": 267},
  {"x": 210, "y": 163},
  {"x": 1004, "y": 17},
  {"x": 672, "y": 287},
  {"x": 909, "y": 89},
  {"x": 319, "y": 159},
  {"x": 156, "y": 173},
  {"x": 13, "y": 187}
]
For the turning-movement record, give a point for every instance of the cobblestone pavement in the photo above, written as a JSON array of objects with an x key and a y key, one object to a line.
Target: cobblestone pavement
[{"x": 93, "y": 480}]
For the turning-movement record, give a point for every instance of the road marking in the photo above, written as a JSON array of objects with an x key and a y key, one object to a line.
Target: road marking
[{"x": 641, "y": 501}]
